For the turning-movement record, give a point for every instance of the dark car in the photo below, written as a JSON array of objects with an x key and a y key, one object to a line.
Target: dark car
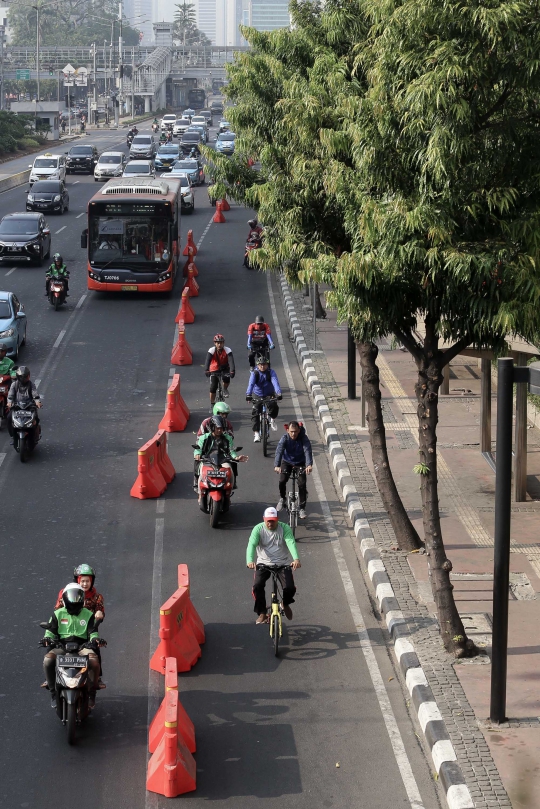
[
  {"x": 48, "y": 195},
  {"x": 24, "y": 237},
  {"x": 216, "y": 107},
  {"x": 82, "y": 158},
  {"x": 190, "y": 140},
  {"x": 209, "y": 115}
]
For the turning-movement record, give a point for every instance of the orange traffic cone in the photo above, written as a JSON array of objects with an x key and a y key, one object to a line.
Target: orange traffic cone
[
  {"x": 218, "y": 216},
  {"x": 185, "y": 312},
  {"x": 191, "y": 283},
  {"x": 171, "y": 769},
  {"x": 181, "y": 353},
  {"x": 190, "y": 243},
  {"x": 225, "y": 205},
  {"x": 190, "y": 261}
]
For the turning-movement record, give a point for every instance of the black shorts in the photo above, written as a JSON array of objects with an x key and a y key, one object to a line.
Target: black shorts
[{"x": 214, "y": 381}]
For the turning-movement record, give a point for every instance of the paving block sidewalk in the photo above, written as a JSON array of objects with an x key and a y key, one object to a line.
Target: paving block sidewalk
[{"x": 500, "y": 764}]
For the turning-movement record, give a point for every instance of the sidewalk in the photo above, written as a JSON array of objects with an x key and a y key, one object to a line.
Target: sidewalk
[{"x": 499, "y": 763}]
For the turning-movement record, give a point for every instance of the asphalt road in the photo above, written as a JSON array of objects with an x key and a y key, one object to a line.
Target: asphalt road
[{"x": 270, "y": 730}]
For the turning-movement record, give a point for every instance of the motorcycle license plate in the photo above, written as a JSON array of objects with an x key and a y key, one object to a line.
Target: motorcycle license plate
[
  {"x": 130, "y": 288},
  {"x": 3, "y": 390},
  {"x": 71, "y": 661},
  {"x": 23, "y": 414},
  {"x": 218, "y": 475}
]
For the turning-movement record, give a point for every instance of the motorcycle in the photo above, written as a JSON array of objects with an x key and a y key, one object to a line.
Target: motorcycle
[
  {"x": 215, "y": 484},
  {"x": 57, "y": 292},
  {"x": 26, "y": 429},
  {"x": 130, "y": 139},
  {"x": 72, "y": 683},
  {"x": 254, "y": 241},
  {"x": 155, "y": 128},
  {"x": 5, "y": 384}
]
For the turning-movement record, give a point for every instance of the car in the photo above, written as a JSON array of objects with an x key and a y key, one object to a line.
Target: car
[
  {"x": 168, "y": 121},
  {"x": 24, "y": 237},
  {"x": 187, "y": 197},
  {"x": 48, "y": 195},
  {"x": 200, "y": 120},
  {"x": 208, "y": 116},
  {"x": 48, "y": 167},
  {"x": 188, "y": 112},
  {"x": 181, "y": 125},
  {"x": 192, "y": 167},
  {"x": 139, "y": 168},
  {"x": 12, "y": 323},
  {"x": 201, "y": 129},
  {"x": 225, "y": 142},
  {"x": 166, "y": 155},
  {"x": 216, "y": 108},
  {"x": 190, "y": 140},
  {"x": 82, "y": 158},
  {"x": 142, "y": 146},
  {"x": 110, "y": 164},
  {"x": 224, "y": 126}
]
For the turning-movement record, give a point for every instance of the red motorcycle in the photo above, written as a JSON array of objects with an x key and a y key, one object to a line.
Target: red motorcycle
[
  {"x": 254, "y": 241},
  {"x": 215, "y": 484},
  {"x": 5, "y": 384},
  {"x": 57, "y": 292}
]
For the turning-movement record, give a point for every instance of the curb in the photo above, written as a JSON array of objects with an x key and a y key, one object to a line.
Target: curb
[{"x": 429, "y": 716}]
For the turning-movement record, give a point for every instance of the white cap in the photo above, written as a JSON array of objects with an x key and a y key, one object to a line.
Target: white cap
[{"x": 270, "y": 513}]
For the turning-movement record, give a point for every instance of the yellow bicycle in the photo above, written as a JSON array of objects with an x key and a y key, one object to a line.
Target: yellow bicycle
[{"x": 276, "y": 611}]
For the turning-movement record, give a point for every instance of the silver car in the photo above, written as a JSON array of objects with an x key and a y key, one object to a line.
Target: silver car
[
  {"x": 139, "y": 168},
  {"x": 110, "y": 164},
  {"x": 142, "y": 147}
]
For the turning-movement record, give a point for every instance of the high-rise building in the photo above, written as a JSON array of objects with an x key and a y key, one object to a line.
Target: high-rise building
[
  {"x": 140, "y": 15},
  {"x": 266, "y": 15},
  {"x": 206, "y": 18},
  {"x": 228, "y": 18}
]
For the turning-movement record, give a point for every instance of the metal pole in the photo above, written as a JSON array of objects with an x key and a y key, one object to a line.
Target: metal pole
[
  {"x": 501, "y": 567},
  {"x": 351, "y": 365},
  {"x": 314, "y": 318},
  {"x": 520, "y": 443},
  {"x": 2, "y": 94},
  {"x": 485, "y": 406},
  {"x": 120, "y": 67},
  {"x": 69, "y": 107},
  {"x": 95, "y": 88},
  {"x": 37, "y": 59},
  {"x": 58, "y": 88}
]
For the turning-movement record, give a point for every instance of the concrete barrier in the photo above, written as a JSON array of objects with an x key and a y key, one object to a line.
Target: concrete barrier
[{"x": 15, "y": 180}]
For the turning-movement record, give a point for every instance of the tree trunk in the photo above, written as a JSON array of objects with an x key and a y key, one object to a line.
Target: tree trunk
[
  {"x": 320, "y": 313},
  {"x": 430, "y": 362},
  {"x": 406, "y": 535}
]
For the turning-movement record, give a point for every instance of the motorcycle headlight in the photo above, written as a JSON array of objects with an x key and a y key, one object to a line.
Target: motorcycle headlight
[
  {"x": 7, "y": 333},
  {"x": 57, "y": 198}
]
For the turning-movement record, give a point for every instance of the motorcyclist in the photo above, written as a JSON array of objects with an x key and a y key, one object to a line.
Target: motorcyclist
[
  {"x": 219, "y": 358},
  {"x": 293, "y": 449},
  {"x": 163, "y": 138},
  {"x": 255, "y": 230},
  {"x": 263, "y": 382},
  {"x": 59, "y": 272},
  {"x": 134, "y": 130},
  {"x": 216, "y": 439},
  {"x": 22, "y": 392},
  {"x": 259, "y": 339},
  {"x": 7, "y": 366},
  {"x": 193, "y": 154},
  {"x": 169, "y": 135},
  {"x": 220, "y": 409},
  {"x": 72, "y": 622}
]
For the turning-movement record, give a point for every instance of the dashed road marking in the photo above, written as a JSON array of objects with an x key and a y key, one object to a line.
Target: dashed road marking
[
  {"x": 2, "y": 457},
  {"x": 59, "y": 338},
  {"x": 81, "y": 301},
  {"x": 10, "y": 271},
  {"x": 81, "y": 214},
  {"x": 60, "y": 231}
]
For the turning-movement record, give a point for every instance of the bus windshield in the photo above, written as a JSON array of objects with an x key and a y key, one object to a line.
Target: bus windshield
[{"x": 140, "y": 242}]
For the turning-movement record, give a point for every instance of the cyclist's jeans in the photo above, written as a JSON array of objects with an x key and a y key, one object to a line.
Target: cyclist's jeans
[
  {"x": 262, "y": 574},
  {"x": 286, "y": 469},
  {"x": 273, "y": 411}
]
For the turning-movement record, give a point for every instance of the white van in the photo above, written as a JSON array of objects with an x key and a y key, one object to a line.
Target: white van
[
  {"x": 48, "y": 167},
  {"x": 168, "y": 121}
]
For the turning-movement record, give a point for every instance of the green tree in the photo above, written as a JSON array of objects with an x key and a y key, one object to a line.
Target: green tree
[{"x": 185, "y": 28}]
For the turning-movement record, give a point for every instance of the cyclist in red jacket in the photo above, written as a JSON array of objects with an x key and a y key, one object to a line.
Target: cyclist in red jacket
[
  {"x": 259, "y": 339},
  {"x": 219, "y": 358}
]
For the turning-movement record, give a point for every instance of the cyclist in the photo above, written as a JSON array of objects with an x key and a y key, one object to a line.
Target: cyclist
[
  {"x": 263, "y": 382},
  {"x": 219, "y": 358},
  {"x": 273, "y": 544},
  {"x": 259, "y": 339},
  {"x": 293, "y": 450}
]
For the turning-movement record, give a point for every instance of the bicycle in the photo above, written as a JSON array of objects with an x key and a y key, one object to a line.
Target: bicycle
[
  {"x": 292, "y": 498},
  {"x": 264, "y": 419},
  {"x": 276, "y": 610},
  {"x": 219, "y": 390}
]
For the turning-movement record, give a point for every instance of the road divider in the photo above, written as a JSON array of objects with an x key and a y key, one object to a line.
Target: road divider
[
  {"x": 190, "y": 243},
  {"x": 191, "y": 283},
  {"x": 225, "y": 205},
  {"x": 15, "y": 180},
  {"x": 154, "y": 468},
  {"x": 186, "y": 728},
  {"x": 185, "y": 312},
  {"x": 190, "y": 263},
  {"x": 181, "y": 353},
  {"x": 218, "y": 216},
  {"x": 193, "y": 616},
  {"x": 171, "y": 770},
  {"x": 176, "y": 412},
  {"x": 176, "y": 636}
]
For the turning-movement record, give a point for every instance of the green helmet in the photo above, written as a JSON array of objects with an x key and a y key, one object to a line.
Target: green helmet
[
  {"x": 84, "y": 570},
  {"x": 221, "y": 409}
]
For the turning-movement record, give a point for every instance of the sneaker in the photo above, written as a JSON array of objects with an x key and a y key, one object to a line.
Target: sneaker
[
  {"x": 273, "y": 425},
  {"x": 256, "y": 437},
  {"x": 262, "y": 619},
  {"x": 287, "y": 610},
  {"x": 280, "y": 504},
  {"x": 302, "y": 514},
  {"x": 53, "y": 700},
  {"x": 225, "y": 394}
]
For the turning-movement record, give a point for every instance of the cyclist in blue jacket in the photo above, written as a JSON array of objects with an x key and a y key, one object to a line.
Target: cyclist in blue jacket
[
  {"x": 294, "y": 449},
  {"x": 263, "y": 382}
]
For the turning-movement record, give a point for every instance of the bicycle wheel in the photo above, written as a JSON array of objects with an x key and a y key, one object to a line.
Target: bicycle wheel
[
  {"x": 219, "y": 392},
  {"x": 264, "y": 420},
  {"x": 275, "y": 632},
  {"x": 293, "y": 521}
]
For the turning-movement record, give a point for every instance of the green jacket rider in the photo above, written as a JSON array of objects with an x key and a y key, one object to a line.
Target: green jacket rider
[
  {"x": 7, "y": 365},
  {"x": 58, "y": 271}
]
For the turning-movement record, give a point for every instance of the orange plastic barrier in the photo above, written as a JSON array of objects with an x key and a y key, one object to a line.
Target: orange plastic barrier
[
  {"x": 185, "y": 312},
  {"x": 190, "y": 243},
  {"x": 186, "y": 728},
  {"x": 150, "y": 480},
  {"x": 218, "y": 216},
  {"x": 171, "y": 769},
  {"x": 176, "y": 636},
  {"x": 176, "y": 413},
  {"x": 164, "y": 462},
  {"x": 193, "y": 616},
  {"x": 191, "y": 283},
  {"x": 190, "y": 260},
  {"x": 181, "y": 353},
  {"x": 225, "y": 205}
]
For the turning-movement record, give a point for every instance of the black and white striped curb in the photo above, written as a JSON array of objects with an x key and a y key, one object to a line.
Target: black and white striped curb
[{"x": 429, "y": 716}]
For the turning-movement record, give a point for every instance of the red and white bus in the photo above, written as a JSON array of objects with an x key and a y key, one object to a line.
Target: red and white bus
[{"x": 133, "y": 235}]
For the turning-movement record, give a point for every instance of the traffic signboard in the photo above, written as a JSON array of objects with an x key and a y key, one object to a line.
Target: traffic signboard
[{"x": 23, "y": 75}]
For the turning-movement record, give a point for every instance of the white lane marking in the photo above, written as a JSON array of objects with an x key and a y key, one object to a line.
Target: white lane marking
[
  {"x": 36, "y": 383},
  {"x": 76, "y": 181},
  {"x": 155, "y": 681},
  {"x": 396, "y": 740},
  {"x": 160, "y": 506},
  {"x": 2, "y": 457},
  {"x": 59, "y": 338},
  {"x": 60, "y": 231},
  {"x": 81, "y": 214},
  {"x": 205, "y": 231},
  {"x": 81, "y": 301},
  {"x": 10, "y": 271}
]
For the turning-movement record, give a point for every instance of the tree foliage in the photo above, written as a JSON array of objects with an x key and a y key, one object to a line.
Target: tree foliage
[{"x": 185, "y": 30}]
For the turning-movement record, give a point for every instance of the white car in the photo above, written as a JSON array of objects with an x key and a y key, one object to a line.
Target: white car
[
  {"x": 139, "y": 168},
  {"x": 168, "y": 121},
  {"x": 187, "y": 197},
  {"x": 110, "y": 164},
  {"x": 48, "y": 167},
  {"x": 181, "y": 126}
]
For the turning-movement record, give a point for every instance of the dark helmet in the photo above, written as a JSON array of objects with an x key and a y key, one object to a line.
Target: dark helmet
[
  {"x": 253, "y": 223},
  {"x": 23, "y": 374},
  {"x": 216, "y": 422},
  {"x": 84, "y": 570},
  {"x": 261, "y": 359},
  {"x": 259, "y": 319},
  {"x": 73, "y": 598},
  {"x": 57, "y": 258}
]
